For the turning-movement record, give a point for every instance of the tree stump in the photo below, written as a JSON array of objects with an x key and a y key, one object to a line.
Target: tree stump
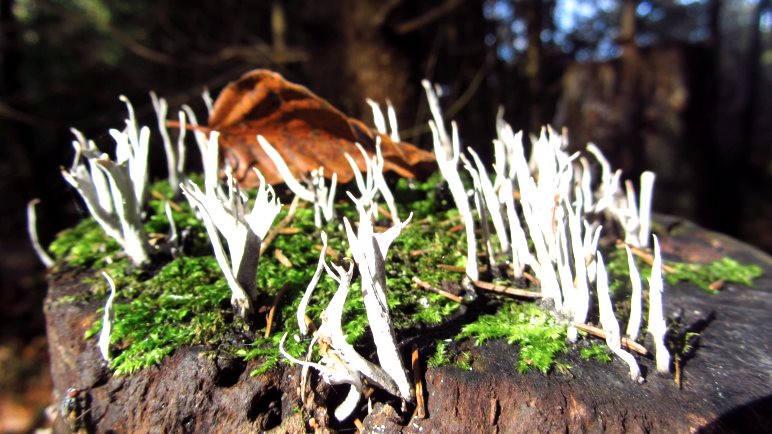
[{"x": 726, "y": 385}]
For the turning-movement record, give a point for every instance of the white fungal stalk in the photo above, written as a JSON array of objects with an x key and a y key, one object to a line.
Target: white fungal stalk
[
  {"x": 369, "y": 251},
  {"x": 303, "y": 305},
  {"x": 132, "y": 146},
  {"x": 491, "y": 201},
  {"x": 340, "y": 362},
  {"x": 319, "y": 195},
  {"x": 447, "y": 153},
  {"x": 175, "y": 157},
  {"x": 448, "y": 165},
  {"x": 243, "y": 230},
  {"x": 634, "y": 324},
  {"x": 113, "y": 191},
  {"x": 657, "y": 326},
  {"x": 609, "y": 321},
  {"x": 108, "y": 319},
  {"x": 644, "y": 216},
  {"x": 32, "y": 231}
]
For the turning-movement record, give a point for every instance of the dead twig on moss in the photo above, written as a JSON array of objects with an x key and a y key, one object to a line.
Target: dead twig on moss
[
  {"x": 427, "y": 286},
  {"x": 501, "y": 289},
  {"x": 282, "y": 225},
  {"x": 272, "y": 312},
  {"x": 645, "y": 255},
  {"x": 600, "y": 333},
  {"x": 420, "y": 408}
]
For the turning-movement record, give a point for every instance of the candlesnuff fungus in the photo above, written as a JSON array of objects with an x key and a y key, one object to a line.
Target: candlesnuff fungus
[
  {"x": 244, "y": 232},
  {"x": 657, "y": 326},
  {"x": 318, "y": 194},
  {"x": 108, "y": 318},
  {"x": 634, "y": 323},
  {"x": 609, "y": 321},
  {"x": 175, "y": 157},
  {"x": 341, "y": 363},
  {"x": 369, "y": 250},
  {"x": 447, "y": 153},
  {"x": 114, "y": 191},
  {"x": 32, "y": 231}
]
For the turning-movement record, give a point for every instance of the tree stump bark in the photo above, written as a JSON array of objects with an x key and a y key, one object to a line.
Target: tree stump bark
[{"x": 726, "y": 385}]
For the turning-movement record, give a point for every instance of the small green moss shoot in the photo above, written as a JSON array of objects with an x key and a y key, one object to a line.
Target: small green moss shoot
[
  {"x": 440, "y": 357},
  {"x": 464, "y": 361},
  {"x": 540, "y": 337},
  {"x": 599, "y": 352}
]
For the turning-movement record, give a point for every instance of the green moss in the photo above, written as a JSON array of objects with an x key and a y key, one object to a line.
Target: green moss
[
  {"x": 85, "y": 244},
  {"x": 597, "y": 352},
  {"x": 186, "y": 301},
  {"x": 464, "y": 361},
  {"x": 440, "y": 356},
  {"x": 702, "y": 275},
  {"x": 540, "y": 337}
]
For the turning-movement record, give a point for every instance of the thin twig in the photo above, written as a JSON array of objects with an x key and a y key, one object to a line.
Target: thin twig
[
  {"x": 420, "y": 409},
  {"x": 175, "y": 206},
  {"x": 281, "y": 225},
  {"x": 646, "y": 256},
  {"x": 429, "y": 287},
  {"x": 531, "y": 279},
  {"x": 283, "y": 260},
  {"x": 501, "y": 289},
  {"x": 427, "y": 17},
  {"x": 333, "y": 254},
  {"x": 456, "y": 269},
  {"x": 600, "y": 333},
  {"x": 272, "y": 312}
]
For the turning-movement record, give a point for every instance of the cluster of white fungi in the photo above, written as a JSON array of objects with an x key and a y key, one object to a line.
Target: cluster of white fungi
[{"x": 550, "y": 199}]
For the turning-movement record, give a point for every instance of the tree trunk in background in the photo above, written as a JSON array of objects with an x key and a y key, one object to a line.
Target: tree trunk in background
[
  {"x": 352, "y": 58},
  {"x": 533, "y": 63}
]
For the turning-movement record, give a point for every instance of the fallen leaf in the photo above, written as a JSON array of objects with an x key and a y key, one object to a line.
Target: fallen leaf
[{"x": 307, "y": 131}]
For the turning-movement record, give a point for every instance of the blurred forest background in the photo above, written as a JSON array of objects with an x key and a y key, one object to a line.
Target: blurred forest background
[{"x": 681, "y": 87}]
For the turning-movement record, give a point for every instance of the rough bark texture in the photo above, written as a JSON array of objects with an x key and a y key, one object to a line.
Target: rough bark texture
[{"x": 727, "y": 384}]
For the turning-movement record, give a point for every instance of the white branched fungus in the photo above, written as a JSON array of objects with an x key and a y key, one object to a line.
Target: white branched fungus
[
  {"x": 369, "y": 251},
  {"x": 657, "y": 326},
  {"x": 340, "y": 362},
  {"x": 108, "y": 318},
  {"x": 113, "y": 192},
  {"x": 32, "y": 231},
  {"x": 319, "y": 195},
  {"x": 609, "y": 321},
  {"x": 175, "y": 157},
  {"x": 301, "y": 313},
  {"x": 634, "y": 323},
  {"x": 243, "y": 231}
]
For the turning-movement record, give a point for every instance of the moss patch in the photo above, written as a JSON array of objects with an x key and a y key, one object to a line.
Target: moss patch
[
  {"x": 540, "y": 337},
  {"x": 703, "y": 275},
  {"x": 186, "y": 300}
]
